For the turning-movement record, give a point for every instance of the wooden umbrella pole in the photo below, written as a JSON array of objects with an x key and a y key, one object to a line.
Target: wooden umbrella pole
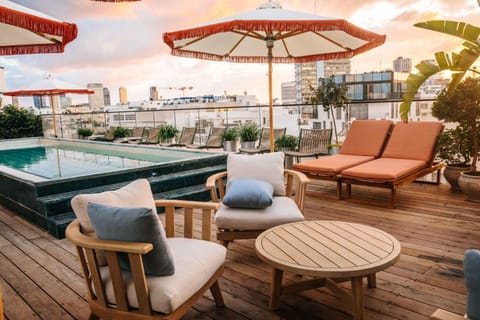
[{"x": 270, "y": 94}]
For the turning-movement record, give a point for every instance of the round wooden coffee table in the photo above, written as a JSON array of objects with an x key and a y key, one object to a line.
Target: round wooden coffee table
[{"x": 330, "y": 251}]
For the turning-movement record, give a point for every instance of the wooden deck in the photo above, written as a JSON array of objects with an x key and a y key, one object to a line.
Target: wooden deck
[{"x": 40, "y": 276}]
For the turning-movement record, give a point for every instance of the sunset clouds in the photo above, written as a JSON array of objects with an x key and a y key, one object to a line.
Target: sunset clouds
[{"x": 120, "y": 44}]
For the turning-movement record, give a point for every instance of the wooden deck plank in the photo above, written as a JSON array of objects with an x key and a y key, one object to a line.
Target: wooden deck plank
[{"x": 41, "y": 279}]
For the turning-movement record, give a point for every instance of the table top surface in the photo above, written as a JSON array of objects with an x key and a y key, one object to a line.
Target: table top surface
[{"x": 328, "y": 249}]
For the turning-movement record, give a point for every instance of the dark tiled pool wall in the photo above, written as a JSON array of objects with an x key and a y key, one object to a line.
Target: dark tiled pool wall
[{"x": 47, "y": 203}]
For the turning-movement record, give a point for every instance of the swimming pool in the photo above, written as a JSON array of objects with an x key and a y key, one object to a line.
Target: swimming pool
[
  {"x": 39, "y": 176},
  {"x": 75, "y": 159}
]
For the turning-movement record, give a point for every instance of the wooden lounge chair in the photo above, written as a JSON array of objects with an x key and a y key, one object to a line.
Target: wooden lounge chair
[
  {"x": 150, "y": 136},
  {"x": 186, "y": 138},
  {"x": 108, "y": 136},
  {"x": 112, "y": 292},
  {"x": 247, "y": 223},
  {"x": 214, "y": 140},
  {"x": 408, "y": 155},
  {"x": 311, "y": 143},
  {"x": 364, "y": 142},
  {"x": 264, "y": 144}
]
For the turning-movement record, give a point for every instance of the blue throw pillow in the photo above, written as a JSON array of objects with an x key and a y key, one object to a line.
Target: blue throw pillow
[
  {"x": 471, "y": 265},
  {"x": 134, "y": 225},
  {"x": 249, "y": 194}
]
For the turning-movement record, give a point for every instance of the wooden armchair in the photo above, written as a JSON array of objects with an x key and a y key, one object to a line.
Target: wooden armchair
[
  {"x": 235, "y": 223},
  {"x": 117, "y": 294}
]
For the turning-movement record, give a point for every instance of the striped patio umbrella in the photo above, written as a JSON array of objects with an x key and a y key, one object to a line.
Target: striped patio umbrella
[
  {"x": 271, "y": 34},
  {"x": 26, "y": 31}
]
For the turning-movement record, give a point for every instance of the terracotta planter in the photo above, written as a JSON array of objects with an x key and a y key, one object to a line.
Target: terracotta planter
[
  {"x": 469, "y": 183},
  {"x": 452, "y": 174}
]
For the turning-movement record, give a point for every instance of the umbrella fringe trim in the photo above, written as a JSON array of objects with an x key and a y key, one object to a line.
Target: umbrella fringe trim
[{"x": 68, "y": 31}]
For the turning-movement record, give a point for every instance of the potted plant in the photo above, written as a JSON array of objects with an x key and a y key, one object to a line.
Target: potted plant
[
  {"x": 287, "y": 143},
  {"x": 455, "y": 149},
  {"x": 249, "y": 134},
  {"x": 331, "y": 96},
  {"x": 121, "y": 132},
  {"x": 462, "y": 106},
  {"x": 167, "y": 133},
  {"x": 84, "y": 132},
  {"x": 334, "y": 148},
  {"x": 230, "y": 139}
]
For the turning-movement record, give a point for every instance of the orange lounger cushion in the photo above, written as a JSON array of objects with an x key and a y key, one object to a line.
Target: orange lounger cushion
[
  {"x": 383, "y": 169},
  {"x": 330, "y": 165}
]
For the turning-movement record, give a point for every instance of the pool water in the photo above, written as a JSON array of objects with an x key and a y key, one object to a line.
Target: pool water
[{"x": 52, "y": 162}]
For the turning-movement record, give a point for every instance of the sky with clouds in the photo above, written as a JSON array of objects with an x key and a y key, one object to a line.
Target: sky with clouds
[{"x": 120, "y": 44}]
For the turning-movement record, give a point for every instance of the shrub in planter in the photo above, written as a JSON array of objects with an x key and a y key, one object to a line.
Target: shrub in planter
[
  {"x": 121, "y": 132},
  {"x": 167, "y": 132},
  {"x": 286, "y": 143},
  {"x": 231, "y": 134},
  {"x": 249, "y": 132},
  {"x": 84, "y": 132}
]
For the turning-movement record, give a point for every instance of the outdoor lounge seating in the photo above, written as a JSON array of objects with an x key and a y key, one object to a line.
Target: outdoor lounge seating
[
  {"x": 264, "y": 143},
  {"x": 107, "y": 136},
  {"x": 187, "y": 137},
  {"x": 150, "y": 136},
  {"x": 364, "y": 142},
  {"x": 408, "y": 155},
  {"x": 311, "y": 143},
  {"x": 214, "y": 140},
  {"x": 246, "y": 213},
  {"x": 136, "y": 136},
  {"x": 167, "y": 274}
]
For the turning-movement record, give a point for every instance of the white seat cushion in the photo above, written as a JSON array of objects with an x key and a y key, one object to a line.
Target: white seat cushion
[
  {"x": 283, "y": 210},
  {"x": 195, "y": 263}
]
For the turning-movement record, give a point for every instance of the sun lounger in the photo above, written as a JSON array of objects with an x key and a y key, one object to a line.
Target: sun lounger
[
  {"x": 364, "y": 142},
  {"x": 311, "y": 143},
  {"x": 408, "y": 155},
  {"x": 186, "y": 138},
  {"x": 214, "y": 140}
]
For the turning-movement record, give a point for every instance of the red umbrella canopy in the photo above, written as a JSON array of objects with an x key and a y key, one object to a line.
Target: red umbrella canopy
[
  {"x": 294, "y": 37},
  {"x": 26, "y": 31},
  {"x": 272, "y": 34}
]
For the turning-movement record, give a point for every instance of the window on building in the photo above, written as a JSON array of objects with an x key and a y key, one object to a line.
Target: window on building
[{"x": 359, "y": 111}]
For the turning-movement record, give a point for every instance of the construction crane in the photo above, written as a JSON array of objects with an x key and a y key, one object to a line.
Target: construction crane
[{"x": 181, "y": 89}]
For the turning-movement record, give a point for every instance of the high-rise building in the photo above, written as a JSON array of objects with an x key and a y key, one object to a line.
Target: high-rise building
[
  {"x": 307, "y": 74},
  {"x": 402, "y": 64},
  {"x": 122, "y": 93},
  {"x": 96, "y": 100},
  {"x": 153, "y": 93},
  {"x": 106, "y": 97},
  {"x": 289, "y": 93}
]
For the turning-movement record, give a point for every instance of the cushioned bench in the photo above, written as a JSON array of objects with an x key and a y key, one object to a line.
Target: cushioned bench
[
  {"x": 408, "y": 155},
  {"x": 364, "y": 142}
]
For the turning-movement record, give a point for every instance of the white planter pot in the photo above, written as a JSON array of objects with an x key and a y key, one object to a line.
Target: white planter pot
[
  {"x": 248, "y": 144},
  {"x": 230, "y": 146}
]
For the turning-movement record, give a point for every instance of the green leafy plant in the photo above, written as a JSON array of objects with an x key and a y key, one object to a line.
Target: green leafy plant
[
  {"x": 286, "y": 142},
  {"x": 462, "y": 106},
  {"x": 249, "y": 132},
  {"x": 459, "y": 63},
  {"x": 121, "y": 132},
  {"x": 19, "y": 123},
  {"x": 331, "y": 96},
  {"x": 84, "y": 132},
  {"x": 455, "y": 146},
  {"x": 167, "y": 132},
  {"x": 231, "y": 134}
]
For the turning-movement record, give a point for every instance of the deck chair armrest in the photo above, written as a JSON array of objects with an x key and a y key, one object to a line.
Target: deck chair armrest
[
  {"x": 300, "y": 180},
  {"x": 188, "y": 209},
  {"x": 74, "y": 234},
  {"x": 440, "y": 314},
  {"x": 215, "y": 183}
]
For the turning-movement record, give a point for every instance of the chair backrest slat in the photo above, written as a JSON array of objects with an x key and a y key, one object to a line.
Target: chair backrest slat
[
  {"x": 96, "y": 277},
  {"x": 117, "y": 280},
  {"x": 140, "y": 283}
]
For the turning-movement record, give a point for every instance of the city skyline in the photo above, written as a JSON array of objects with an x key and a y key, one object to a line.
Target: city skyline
[{"x": 120, "y": 44}]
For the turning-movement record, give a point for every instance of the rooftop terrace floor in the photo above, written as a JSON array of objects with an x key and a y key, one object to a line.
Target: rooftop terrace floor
[{"x": 40, "y": 276}]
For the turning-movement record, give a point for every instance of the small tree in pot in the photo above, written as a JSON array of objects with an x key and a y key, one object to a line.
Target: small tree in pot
[
  {"x": 462, "y": 106},
  {"x": 166, "y": 133}
]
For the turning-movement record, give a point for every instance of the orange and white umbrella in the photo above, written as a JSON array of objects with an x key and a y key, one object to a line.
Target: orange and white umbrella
[
  {"x": 26, "y": 31},
  {"x": 271, "y": 34}
]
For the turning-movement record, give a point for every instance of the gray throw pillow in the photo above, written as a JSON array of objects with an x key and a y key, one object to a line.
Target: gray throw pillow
[
  {"x": 249, "y": 194},
  {"x": 471, "y": 265},
  {"x": 134, "y": 225}
]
